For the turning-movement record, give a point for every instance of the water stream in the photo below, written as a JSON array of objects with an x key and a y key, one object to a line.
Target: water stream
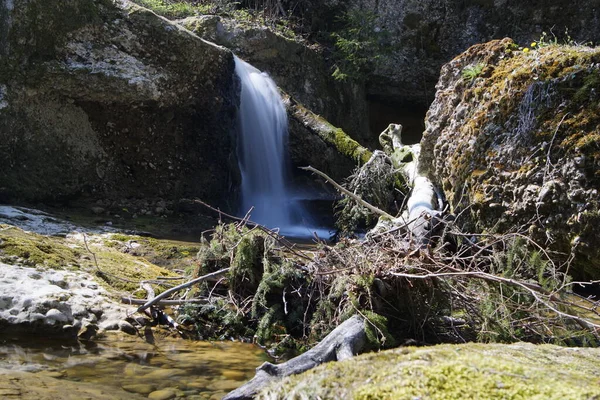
[
  {"x": 264, "y": 161},
  {"x": 126, "y": 367}
]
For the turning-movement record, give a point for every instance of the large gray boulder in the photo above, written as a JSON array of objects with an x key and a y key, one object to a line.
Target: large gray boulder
[{"x": 108, "y": 100}]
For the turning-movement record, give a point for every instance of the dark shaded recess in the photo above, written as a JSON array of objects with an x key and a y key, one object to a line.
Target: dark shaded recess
[
  {"x": 315, "y": 18},
  {"x": 591, "y": 292},
  {"x": 317, "y": 199},
  {"x": 165, "y": 152},
  {"x": 383, "y": 112}
]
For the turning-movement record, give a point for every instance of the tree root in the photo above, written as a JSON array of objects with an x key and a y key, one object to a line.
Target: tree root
[{"x": 343, "y": 342}]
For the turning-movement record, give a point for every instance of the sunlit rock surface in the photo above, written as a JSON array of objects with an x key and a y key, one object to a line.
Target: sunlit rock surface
[
  {"x": 512, "y": 140},
  {"x": 468, "y": 371},
  {"x": 108, "y": 100}
]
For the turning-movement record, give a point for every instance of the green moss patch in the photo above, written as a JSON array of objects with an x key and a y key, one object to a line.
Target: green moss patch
[
  {"x": 177, "y": 9},
  {"x": 468, "y": 371},
  {"x": 112, "y": 261},
  {"x": 124, "y": 272},
  {"x": 38, "y": 250},
  {"x": 331, "y": 135},
  {"x": 169, "y": 254}
]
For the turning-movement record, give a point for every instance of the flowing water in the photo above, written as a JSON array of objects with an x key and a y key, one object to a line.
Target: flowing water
[
  {"x": 125, "y": 368},
  {"x": 263, "y": 158}
]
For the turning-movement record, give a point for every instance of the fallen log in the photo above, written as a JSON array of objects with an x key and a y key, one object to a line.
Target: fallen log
[
  {"x": 345, "y": 341},
  {"x": 424, "y": 206}
]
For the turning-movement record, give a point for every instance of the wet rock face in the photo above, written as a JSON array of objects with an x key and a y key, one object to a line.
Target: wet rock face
[
  {"x": 515, "y": 146},
  {"x": 109, "y": 100},
  {"x": 425, "y": 34}
]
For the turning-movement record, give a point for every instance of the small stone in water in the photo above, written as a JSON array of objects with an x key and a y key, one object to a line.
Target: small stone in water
[
  {"x": 226, "y": 385},
  {"x": 163, "y": 394},
  {"x": 233, "y": 374},
  {"x": 160, "y": 374},
  {"x": 140, "y": 388},
  {"x": 127, "y": 327},
  {"x": 54, "y": 314}
]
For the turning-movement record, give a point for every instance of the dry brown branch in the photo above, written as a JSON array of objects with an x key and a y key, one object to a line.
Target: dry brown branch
[
  {"x": 533, "y": 289},
  {"x": 132, "y": 301},
  {"x": 391, "y": 257}
]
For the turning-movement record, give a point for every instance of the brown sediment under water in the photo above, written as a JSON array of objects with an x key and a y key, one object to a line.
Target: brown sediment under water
[{"x": 120, "y": 367}]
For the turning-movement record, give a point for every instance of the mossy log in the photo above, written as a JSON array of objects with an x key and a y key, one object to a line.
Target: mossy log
[
  {"x": 330, "y": 134},
  {"x": 343, "y": 342}
]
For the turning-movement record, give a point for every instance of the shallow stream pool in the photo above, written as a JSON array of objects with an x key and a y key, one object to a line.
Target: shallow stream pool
[{"x": 126, "y": 367}]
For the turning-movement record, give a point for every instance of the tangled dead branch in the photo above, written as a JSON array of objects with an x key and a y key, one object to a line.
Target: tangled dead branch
[
  {"x": 372, "y": 190},
  {"x": 500, "y": 288},
  {"x": 489, "y": 288},
  {"x": 461, "y": 287}
]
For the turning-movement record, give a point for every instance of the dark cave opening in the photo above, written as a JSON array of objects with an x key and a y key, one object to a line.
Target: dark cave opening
[{"x": 385, "y": 111}]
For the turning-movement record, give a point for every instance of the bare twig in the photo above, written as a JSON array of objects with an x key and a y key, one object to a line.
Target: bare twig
[
  {"x": 180, "y": 287},
  {"x": 348, "y": 193},
  {"x": 132, "y": 301},
  {"x": 280, "y": 239}
]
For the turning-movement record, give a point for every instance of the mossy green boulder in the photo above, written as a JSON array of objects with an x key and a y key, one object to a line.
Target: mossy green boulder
[
  {"x": 468, "y": 371},
  {"x": 516, "y": 146}
]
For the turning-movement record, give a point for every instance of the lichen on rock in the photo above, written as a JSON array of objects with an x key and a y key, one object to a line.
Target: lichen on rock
[
  {"x": 517, "y": 146},
  {"x": 467, "y": 371}
]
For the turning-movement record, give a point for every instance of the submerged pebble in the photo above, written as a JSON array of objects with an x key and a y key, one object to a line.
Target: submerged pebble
[
  {"x": 164, "y": 394},
  {"x": 141, "y": 388}
]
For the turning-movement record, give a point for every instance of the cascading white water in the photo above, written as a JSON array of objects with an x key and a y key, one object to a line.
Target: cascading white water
[
  {"x": 263, "y": 126},
  {"x": 262, "y": 153}
]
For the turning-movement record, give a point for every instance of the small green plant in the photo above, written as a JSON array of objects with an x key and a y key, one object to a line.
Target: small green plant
[
  {"x": 182, "y": 9},
  {"x": 546, "y": 40},
  {"x": 359, "y": 44},
  {"x": 552, "y": 40},
  {"x": 470, "y": 72}
]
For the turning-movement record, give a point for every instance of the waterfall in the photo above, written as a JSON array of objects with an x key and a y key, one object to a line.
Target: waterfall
[
  {"x": 263, "y": 156},
  {"x": 261, "y": 149}
]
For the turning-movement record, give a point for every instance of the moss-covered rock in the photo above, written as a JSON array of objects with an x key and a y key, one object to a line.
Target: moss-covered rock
[
  {"x": 107, "y": 99},
  {"x": 119, "y": 264},
  {"x": 518, "y": 145},
  {"x": 37, "y": 250},
  {"x": 469, "y": 371}
]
